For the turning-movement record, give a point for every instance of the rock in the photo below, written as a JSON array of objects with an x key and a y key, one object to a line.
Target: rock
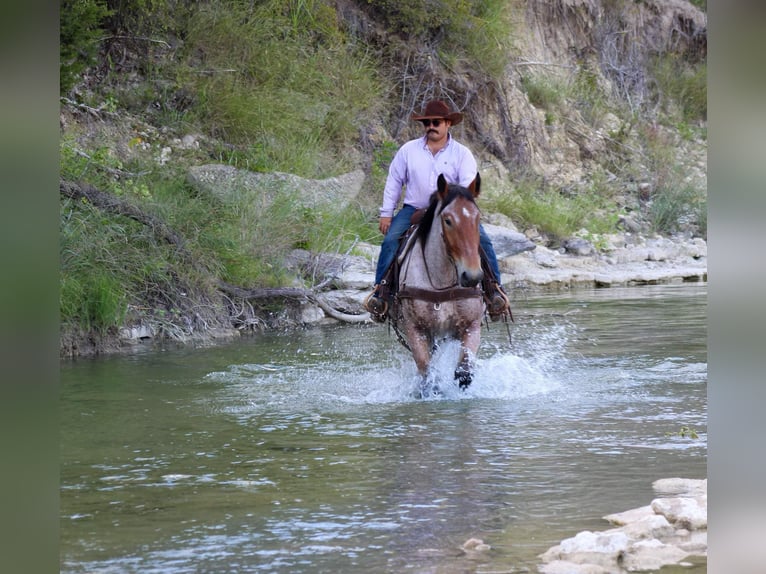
[
  {"x": 564, "y": 567},
  {"x": 227, "y": 182},
  {"x": 683, "y": 512},
  {"x": 680, "y": 486},
  {"x": 476, "y": 544},
  {"x": 666, "y": 532},
  {"x": 600, "y": 549},
  {"x": 136, "y": 333},
  {"x": 628, "y": 224},
  {"x": 627, "y": 260},
  {"x": 651, "y": 555},
  {"x": 629, "y": 516},
  {"x": 653, "y": 526},
  {"x": 499, "y": 220},
  {"x": 507, "y": 242},
  {"x": 310, "y": 314},
  {"x": 579, "y": 246}
]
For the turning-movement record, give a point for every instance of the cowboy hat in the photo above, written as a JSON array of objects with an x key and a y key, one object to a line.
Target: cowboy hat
[{"x": 438, "y": 109}]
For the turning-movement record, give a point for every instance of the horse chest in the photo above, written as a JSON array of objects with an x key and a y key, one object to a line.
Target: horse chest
[{"x": 449, "y": 319}]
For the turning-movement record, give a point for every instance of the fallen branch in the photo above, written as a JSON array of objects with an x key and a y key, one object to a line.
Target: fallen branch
[
  {"x": 292, "y": 293},
  {"x": 264, "y": 292},
  {"x": 114, "y": 204},
  {"x": 335, "y": 314}
]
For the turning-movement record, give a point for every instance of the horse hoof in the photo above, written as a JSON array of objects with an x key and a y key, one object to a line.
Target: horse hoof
[
  {"x": 463, "y": 378},
  {"x": 426, "y": 389}
]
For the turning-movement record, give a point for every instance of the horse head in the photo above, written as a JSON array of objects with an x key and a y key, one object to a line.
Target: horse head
[{"x": 459, "y": 216}]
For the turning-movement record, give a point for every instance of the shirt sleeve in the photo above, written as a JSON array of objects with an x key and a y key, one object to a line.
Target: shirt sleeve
[
  {"x": 468, "y": 167},
  {"x": 396, "y": 180}
]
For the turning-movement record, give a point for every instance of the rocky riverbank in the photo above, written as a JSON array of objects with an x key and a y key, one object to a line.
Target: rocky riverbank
[
  {"x": 621, "y": 259},
  {"x": 672, "y": 529}
]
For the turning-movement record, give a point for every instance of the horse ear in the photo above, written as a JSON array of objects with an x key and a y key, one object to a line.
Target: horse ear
[
  {"x": 441, "y": 186},
  {"x": 475, "y": 186}
]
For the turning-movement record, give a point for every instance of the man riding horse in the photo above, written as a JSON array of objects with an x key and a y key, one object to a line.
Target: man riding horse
[{"x": 416, "y": 168}]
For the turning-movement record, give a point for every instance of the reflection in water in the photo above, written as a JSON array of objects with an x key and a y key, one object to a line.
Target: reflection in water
[{"x": 304, "y": 452}]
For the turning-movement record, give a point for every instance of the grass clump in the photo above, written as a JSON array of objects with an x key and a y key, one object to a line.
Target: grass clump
[
  {"x": 554, "y": 212},
  {"x": 674, "y": 206},
  {"x": 682, "y": 87},
  {"x": 674, "y": 202}
]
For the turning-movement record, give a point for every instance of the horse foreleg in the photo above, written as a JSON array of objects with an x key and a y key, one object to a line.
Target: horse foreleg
[
  {"x": 420, "y": 345},
  {"x": 468, "y": 349}
]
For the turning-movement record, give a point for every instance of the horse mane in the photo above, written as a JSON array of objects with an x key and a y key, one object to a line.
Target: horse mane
[{"x": 453, "y": 192}]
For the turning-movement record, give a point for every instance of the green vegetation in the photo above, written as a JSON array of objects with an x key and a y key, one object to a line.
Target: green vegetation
[
  {"x": 544, "y": 93},
  {"x": 553, "y": 212},
  {"x": 80, "y": 34},
  {"x": 684, "y": 432},
  {"x": 683, "y": 87},
  {"x": 476, "y": 32}
]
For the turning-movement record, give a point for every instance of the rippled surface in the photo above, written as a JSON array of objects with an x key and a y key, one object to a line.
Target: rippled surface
[{"x": 304, "y": 452}]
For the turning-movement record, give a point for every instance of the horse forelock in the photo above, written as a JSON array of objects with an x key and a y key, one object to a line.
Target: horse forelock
[{"x": 435, "y": 207}]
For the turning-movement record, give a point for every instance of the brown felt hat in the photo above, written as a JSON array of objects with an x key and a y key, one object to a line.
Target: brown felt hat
[{"x": 438, "y": 109}]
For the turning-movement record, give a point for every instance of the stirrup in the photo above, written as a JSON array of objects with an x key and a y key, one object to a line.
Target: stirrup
[
  {"x": 497, "y": 303},
  {"x": 376, "y": 306}
]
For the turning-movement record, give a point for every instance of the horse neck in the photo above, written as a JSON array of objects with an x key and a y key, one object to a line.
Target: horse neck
[{"x": 440, "y": 268}]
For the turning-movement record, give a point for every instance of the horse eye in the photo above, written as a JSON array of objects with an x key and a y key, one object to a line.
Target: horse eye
[{"x": 448, "y": 221}]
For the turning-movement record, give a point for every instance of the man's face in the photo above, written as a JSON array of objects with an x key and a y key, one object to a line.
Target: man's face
[{"x": 436, "y": 129}]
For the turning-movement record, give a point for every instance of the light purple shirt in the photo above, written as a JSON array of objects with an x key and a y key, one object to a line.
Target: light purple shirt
[{"x": 416, "y": 169}]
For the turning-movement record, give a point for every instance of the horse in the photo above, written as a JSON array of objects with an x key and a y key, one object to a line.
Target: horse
[{"x": 439, "y": 294}]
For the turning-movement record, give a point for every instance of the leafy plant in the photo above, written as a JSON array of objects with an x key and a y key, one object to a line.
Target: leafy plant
[
  {"x": 287, "y": 92},
  {"x": 684, "y": 432}
]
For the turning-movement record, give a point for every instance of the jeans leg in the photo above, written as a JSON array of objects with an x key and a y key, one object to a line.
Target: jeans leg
[
  {"x": 486, "y": 244},
  {"x": 399, "y": 224}
]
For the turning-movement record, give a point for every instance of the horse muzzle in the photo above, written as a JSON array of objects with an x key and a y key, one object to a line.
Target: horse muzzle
[{"x": 470, "y": 278}]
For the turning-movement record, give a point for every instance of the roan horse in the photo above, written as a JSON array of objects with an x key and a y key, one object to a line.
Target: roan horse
[{"x": 439, "y": 295}]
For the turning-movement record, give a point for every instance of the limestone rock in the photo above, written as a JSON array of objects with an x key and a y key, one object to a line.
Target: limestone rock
[
  {"x": 507, "y": 242},
  {"x": 666, "y": 532},
  {"x": 227, "y": 182}
]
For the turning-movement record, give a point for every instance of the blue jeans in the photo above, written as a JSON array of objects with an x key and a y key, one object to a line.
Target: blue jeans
[{"x": 400, "y": 223}]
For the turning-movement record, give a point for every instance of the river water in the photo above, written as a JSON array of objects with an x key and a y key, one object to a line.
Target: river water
[{"x": 305, "y": 452}]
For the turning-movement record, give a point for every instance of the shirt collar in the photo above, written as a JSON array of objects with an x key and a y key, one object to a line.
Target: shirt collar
[{"x": 425, "y": 141}]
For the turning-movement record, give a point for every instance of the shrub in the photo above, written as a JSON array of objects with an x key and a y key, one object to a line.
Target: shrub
[
  {"x": 542, "y": 93},
  {"x": 80, "y": 33},
  {"x": 457, "y": 29}
]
